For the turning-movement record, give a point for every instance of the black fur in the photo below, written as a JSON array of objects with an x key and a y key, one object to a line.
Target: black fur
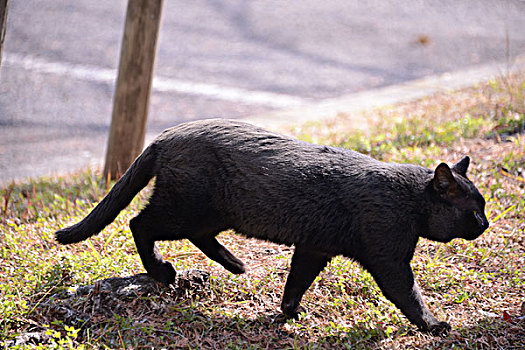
[{"x": 215, "y": 175}]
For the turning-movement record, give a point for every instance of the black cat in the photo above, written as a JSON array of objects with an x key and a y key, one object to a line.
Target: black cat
[{"x": 215, "y": 175}]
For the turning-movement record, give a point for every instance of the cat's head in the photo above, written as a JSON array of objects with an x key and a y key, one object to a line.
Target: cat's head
[{"x": 458, "y": 209}]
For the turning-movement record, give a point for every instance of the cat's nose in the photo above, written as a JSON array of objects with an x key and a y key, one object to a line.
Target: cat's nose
[
  {"x": 481, "y": 219},
  {"x": 485, "y": 224}
]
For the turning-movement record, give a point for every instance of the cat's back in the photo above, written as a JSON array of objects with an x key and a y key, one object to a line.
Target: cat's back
[
  {"x": 218, "y": 130},
  {"x": 230, "y": 139}
]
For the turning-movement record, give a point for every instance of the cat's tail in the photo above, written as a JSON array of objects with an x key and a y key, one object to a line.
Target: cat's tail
[{"x": 133, "y": 180}]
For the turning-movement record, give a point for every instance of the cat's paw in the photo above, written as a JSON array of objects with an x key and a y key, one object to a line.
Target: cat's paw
[
  {"x": 164, "y": 273},
  {"x": 293, "y": 314},
  {"x": 439, "y": 329},
  {"x": 236, "y": 267}
]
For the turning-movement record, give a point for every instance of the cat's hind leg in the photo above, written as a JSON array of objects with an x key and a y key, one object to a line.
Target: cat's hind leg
[
  {"x": 217, "y": 252},
  {"x": 146, "y": 229},
  {"x": 306, "y": 265}
]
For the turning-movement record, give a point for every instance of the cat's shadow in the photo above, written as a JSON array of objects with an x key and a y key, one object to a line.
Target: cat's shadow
[{"x": 94, "y": 305}]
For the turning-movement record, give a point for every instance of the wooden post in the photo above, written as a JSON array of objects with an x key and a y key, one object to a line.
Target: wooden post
[
  {"x": 3, "y": 24},
  {"x": 133, "y": 88}
]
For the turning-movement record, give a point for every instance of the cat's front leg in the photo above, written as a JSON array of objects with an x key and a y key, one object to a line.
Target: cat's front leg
[
  {"x": 397, "y": 283},
  {"x": 306, "y": 264}
]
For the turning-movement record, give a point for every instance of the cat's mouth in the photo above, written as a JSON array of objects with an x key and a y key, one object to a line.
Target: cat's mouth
[
  {"x": 483, "y": 224},
  {"x": 481, "y": 219}
]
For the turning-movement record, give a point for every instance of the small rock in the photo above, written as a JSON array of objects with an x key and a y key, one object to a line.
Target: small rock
[{"x": 30, "y": 338}]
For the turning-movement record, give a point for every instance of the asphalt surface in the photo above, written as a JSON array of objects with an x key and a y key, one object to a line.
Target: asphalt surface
[{"x": 231, "y": 59}]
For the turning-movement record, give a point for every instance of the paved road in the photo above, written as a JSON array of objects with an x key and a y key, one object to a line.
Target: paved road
[{"x": 223, "y": 58}]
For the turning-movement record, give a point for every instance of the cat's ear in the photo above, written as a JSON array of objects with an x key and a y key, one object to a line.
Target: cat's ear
[
  {"x": 444, "y": 182},
  {"x": 462, "y": 166}
]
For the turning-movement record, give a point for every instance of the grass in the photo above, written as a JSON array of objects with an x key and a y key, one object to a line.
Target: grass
[{"x": 478, "y": 286}]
